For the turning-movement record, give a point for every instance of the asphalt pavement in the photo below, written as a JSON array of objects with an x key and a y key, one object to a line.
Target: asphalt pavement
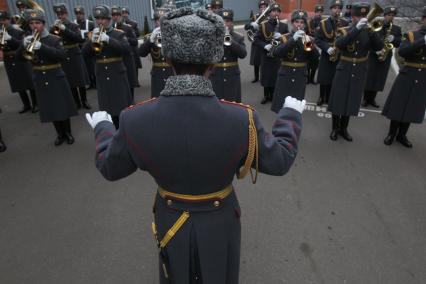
[{"x": 345, "y": 213}]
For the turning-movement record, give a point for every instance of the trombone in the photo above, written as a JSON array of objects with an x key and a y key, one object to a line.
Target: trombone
[
  {"x": 97, "y": 45},
  {"x": 250, "y": 33},
  {"x": 3, "y": 38},
  {"x": 30, "y": 53},
  {"x": 227, "y": 38}
]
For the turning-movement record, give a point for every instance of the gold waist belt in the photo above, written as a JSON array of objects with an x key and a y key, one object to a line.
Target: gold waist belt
[
  {"x": 69, "y": 46},
  {"x": 9, "y": 53},
  {"x": 293, "y": 64},
  {"x": 46, "y": 67},
  {"x": 353, "y": 59},
  {"x": 226, "y": 64},
  {"x": 108, "y": 60},
  {"x": 161, "y": 65},
  {"x": 416, "y": 65},
  {"x": 218, "y": 195}
]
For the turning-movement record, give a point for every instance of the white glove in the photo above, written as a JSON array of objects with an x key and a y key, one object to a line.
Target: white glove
[
  {"x": 95, "y": 34},
  {"x": 16, "y": 27},
  {"x": 27, "y": 40},
  {"x": 60, "y": 24},
  {"x": 37, "y": 45},
  {"x": 97, "y": 117},
  {"x": 268, "y": 47},
  {"x": 277, "y": 35},
  {"x": 330, "y": 50},
  {"x": 362, "y": 23},
  {"x": 7, "y": 36},
  {"x": 104, "y": 37},
  {"x": 255, "y": 25},
  {"x": 298, "y": 34},
  {"x": 295, "y": 104},
  {"x": 154, "y": 34},
  {"x": 390, "y": 38}
]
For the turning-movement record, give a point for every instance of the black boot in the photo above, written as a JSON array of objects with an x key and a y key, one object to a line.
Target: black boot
[
  {"x": 327, "y": 93},
  {"x": 2, "y": 144},
  {"x": 265, "y": 96},
  {"x": 393, "y": 129},
  {"x": 60, "y": 139},
  {"x": 402, "y": 135},
  {"x": 34, "y": 107},
  {"x": 83, "y": 97},
  {"x": 256, "y": 74},
  {"x": 344, "y": 122},
  {"x": 321, "y": 98},
  {"x": 66, "y": 124},
  {"x": 25, "y": 101},
  {"x": 76, "y": 97},
  {"x": 271, "y": 94},
  {"x": 335, "y": 127}
]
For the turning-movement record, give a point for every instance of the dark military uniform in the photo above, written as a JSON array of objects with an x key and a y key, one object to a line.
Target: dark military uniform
[
  {"x": 351, "y": 74},
  {"x": 255, "y": 53},
  {"x": 269, "y": 65},
  {"x": 406, "y": 102},
  {"x": 211, "y": 235},
  {"x": 134, "y": 25},
  {"x": 311, "y": 27},
  {"x": 292, "y": 74}
]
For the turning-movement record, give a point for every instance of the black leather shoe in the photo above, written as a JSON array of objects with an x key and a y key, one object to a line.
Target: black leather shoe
[
  {"x": 86, "y": 105},
  {"x": 2, "y": 146},
  {"x": 389, "y": 140},
  {"x": 24, "y": 109},
  {"x": 34, "y": 109},
  {"x": 255, "y": 80},
  {"x": 373, "y": 103},
  {"x": 69, "y": 138},
  {"x": 320, "y": 101},
  {"x": 59, "y": 140},
  {"x": 404, "y": 141},
  {"x": 264, "y": 100},
  {"x": 344, "y": 133},
  {"x": 333, "y": 135}
]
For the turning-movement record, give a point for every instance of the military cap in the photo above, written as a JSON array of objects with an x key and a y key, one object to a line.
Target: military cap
[
  {"x": 115, "y": 10},
  {"x": 263, "y": 2},
  {"x": 424, "y": 12},
  {"x": 360, "y": 9},
  {"x": 194, "y": 37},
  {"x": 79, "y": 9},
  {"x": 319, "y": 8},
  {"x": 390, "y": 9},
  {"x": 226, "y": 14},
  {"x": 208, "y": 6},
  {"x": 60, "y": 8},
  {"x": 125, "y": 10},
  {"x": 276, "y": 6},
  {"x": 299, "y": 15},
  {"x": 4, "y": 15},
  {"x": 22, "y": 3},
  {"x": 34, "y": 15},
  {"x": 102, "y": 11},
  {"x": 158, "y": 14},
  {"x": 338, "y": 3},
  {"x": 217, "y": 4}
]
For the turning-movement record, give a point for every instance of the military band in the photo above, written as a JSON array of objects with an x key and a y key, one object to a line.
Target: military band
[
  {"x": 310, "y": 29},
  {"x": 125, "y": 14}
]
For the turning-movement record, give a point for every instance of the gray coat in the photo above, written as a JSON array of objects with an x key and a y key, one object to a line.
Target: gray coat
[
  {"x": 111, "y": 78},
  {"x": 73, "y": 63},
  {"x": 291, "y": 81},
  {"x": 378, "y": 70},
  {"x": 53, "y": 92},
  {"x": 407, "y": 99},
  {"x": 255, "y": 53},
  {"x": 226, "y": 81},
  {"x": 18, "y": 70},
  {"x": 269, "y": 65},
  {"x": 209, "y": 146},
  {"x": 349, "y": 81},
  {"x": 129, "y": 60}
]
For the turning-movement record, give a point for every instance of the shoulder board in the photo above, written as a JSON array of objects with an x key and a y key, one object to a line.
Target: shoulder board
[
  {"x": 410, "y": 36},
  {"x": 324, "y": 29},
  {"x": 118, "y": 30},
  {"x": 141, "y": 103},
  {"x": 236, "y": 104}
]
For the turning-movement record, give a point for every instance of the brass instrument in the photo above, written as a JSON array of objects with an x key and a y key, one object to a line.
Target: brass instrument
[
  {"x": 227, "y": 38},
  {"x": 19, "y": 19},
  {"x": 56, "y": 28},
  {"x": 387, "y": 46},
  {"x": 308, "y": 45},
  {"x": 157, "y": 41},
  {"x": 97, "y": 45},
  {"x": 250, "y": 33},
  {"x": 3, "y": 38},
  {"x": 374, "y": 24},
  {"x": 335, "y": 55},
  {"x": 276, "y": 42},
  {"x": 29, "y": 52}
]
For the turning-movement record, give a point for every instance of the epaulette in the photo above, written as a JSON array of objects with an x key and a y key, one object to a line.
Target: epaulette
[
  {"x": 141, "y": 103},
  {"x": 236, "y": 104},
  {"x": 324, "y": 29},
  {"x": 118, "y": 30},
  {"x": 410, "y": 36}
]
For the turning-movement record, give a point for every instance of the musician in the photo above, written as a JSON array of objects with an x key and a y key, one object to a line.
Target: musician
[
  {"x": 256, "y": 53},
  {"x": 86, "y": 26},
  {"x": 294, "y": 56},
  {"x": 354, "y": 43},
  {"x": 378, "y": 67},
  {"x": 217, "y": 5},
  {"x": 325, "y": 37},
  {"x": 195, "y": 169},
  {"x": 310, "y": 29},
  {"x": 51, "y": 85},
  {"x": 111, "y": 77},
  {"x": 161, "y": 70},
  {"x": 22, "y": 23},
  {"x": 225, "y": 76},
  {"x": 209, "y": 7},
  {"x": 406, "y": 102},
  {"x": 347, "y": 16},
  {"x": 128, "y": 59},
  {"x": 18, "y": 71},
  {"x": 269, "y": 30},
  {"x": 125, "y": 13}
]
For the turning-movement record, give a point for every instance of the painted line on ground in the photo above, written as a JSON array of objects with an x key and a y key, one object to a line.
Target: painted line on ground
[{"x": 361, "y": 109}]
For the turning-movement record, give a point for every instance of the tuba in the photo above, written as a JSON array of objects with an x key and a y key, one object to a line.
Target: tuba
[
  {"x": 29, "y": 52},
  {"x": 97, "y": 45},
  {"x": 374, "y": 24},
  {"x": 2, "y": 38}
]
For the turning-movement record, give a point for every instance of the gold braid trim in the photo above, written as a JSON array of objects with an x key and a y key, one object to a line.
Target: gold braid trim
[
  {"x": 267, "y": 37},
  {"x": 324, "y": 30},
  {"x": 410, "y": 37},
  {"x": 253, "y": 151}
]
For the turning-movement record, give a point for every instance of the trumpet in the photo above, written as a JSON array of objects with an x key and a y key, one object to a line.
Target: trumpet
[
  {"x": 374, "y": 24},
  {"x": 97, "y": 45},
  {"x": 3, "y": 38},
  {"x": 30, "y": 53},
  {"x": 56, "y": 28},
  {"x": 250, "y": 33},
  {"x": 157, "y": 41},
  {"x": 227, "y": 38},
  {"x": 307, "y": 42}
]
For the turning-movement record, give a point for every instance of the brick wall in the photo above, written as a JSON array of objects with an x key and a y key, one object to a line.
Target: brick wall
[{"x": 3, "y": 5}]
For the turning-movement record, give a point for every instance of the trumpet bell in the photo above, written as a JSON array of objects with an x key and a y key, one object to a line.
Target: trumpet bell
[{"x": 227, "y": 40}]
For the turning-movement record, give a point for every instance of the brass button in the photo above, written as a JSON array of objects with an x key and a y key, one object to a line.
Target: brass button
[
  {"x": 354, "y": 64},
  {"x": 294, "y": 70},
  {"x": 46, "y": 83},
  {"x": 169, "y": 202},
  {"x": 164, "y": 69},
  {"x": 216, "y": 203},
  {"x": 420, "y": 70},
  {"x": 353, "y": 75},
  {"x": 224, "y": 69},
  {"x": 224, "y": 80},
  {"x": 108, "y": 78},
  {"x": 106, "y": 67},
  {"x": 416, "y": 81},
  {"x": 13, "y": 64},
  {"x": 68, "y": 58},
  {"x": 44, "y": 73},
  {"x": 292, "y": 80}
]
